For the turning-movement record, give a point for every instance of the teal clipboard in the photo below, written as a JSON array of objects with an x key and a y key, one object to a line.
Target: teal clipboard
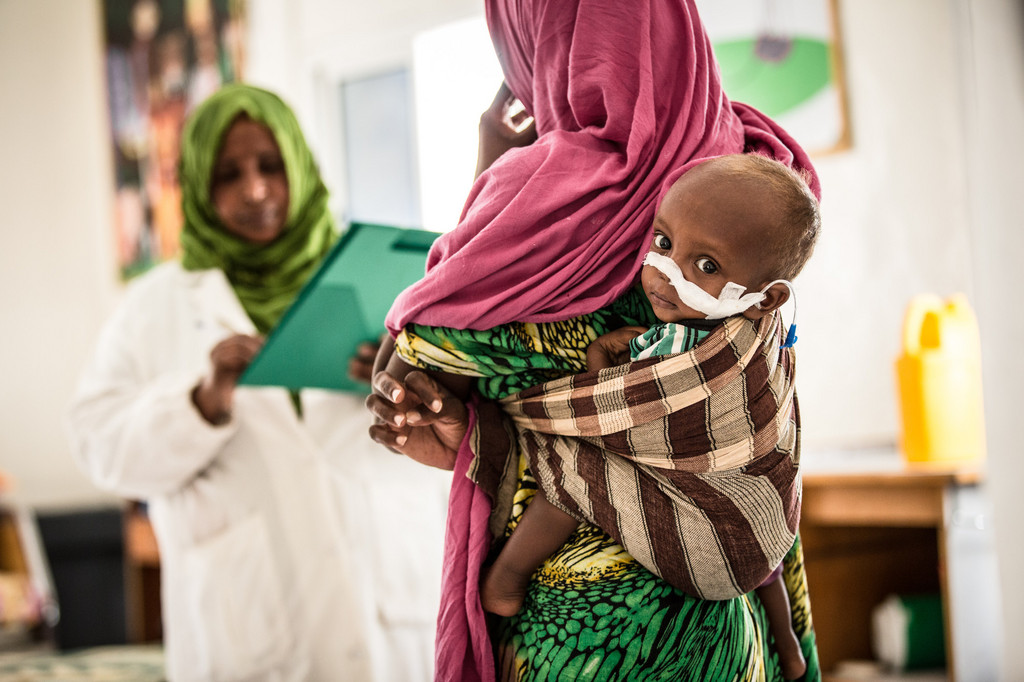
[{"x": 342, "y": 305}]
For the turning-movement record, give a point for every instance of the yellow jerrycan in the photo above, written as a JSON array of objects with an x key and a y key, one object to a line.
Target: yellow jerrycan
[{"x": 939, "y": 376}]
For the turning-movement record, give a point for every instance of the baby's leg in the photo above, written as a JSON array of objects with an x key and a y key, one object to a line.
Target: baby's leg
[
  {"x": 541, "y": 532},
  {"x": 780, "y": 621}
]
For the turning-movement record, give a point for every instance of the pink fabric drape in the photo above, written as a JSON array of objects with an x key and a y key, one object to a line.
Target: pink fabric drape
[
  {"x": 463, "y": 647},
  {"x": 624, "y": 96}
]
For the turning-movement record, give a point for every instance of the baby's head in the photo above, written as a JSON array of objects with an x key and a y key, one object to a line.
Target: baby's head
[{"x": 742, "y": 218}]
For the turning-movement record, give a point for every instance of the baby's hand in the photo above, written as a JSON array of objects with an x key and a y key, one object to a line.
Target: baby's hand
[{"x": 611, "y": 349}]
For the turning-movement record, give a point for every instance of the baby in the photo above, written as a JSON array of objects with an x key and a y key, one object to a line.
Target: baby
[{"x": 733, "y": 224}]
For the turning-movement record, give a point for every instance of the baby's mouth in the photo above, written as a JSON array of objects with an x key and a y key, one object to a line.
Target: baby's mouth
[{"x": 659, "y": 299}]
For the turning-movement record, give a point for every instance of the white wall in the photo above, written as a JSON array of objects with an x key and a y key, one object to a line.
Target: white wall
[
  {"x": 303, "y": 48},
  {"x": 926, "y": 200},
  {"x": 57, "y": 270},
  {"x": 894, "y": 217},
  {"x": 993, "y": 61}
]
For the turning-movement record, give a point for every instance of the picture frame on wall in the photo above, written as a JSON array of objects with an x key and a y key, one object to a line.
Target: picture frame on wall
[{"x": 784, "y": 58}]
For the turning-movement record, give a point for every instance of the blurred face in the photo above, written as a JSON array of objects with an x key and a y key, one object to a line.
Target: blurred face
[
  {"x": 249, "y": 188},
  {"x": 712, "y": 226}
]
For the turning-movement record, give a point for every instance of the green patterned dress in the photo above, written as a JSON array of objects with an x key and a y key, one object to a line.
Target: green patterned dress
[{"x": 592, "y": 612}]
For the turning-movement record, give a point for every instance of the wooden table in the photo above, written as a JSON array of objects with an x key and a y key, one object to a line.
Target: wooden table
[
  {"x": 142, "y": 576},
  {"x": 873, "y": 526}
]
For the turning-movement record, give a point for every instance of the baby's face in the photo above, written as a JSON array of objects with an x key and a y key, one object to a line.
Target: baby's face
[{"x": 713, "y": 226}]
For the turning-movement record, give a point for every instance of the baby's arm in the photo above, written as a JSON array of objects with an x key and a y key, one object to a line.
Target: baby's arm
[{"x": 612, "y": 348}]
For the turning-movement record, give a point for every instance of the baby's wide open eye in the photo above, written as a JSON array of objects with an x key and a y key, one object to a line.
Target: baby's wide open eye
[
  {"x": 707, "y": 266},
  {"x": 661, "y": 242}
]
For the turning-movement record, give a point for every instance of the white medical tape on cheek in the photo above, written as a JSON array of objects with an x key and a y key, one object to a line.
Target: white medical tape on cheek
[
  {"x": 728, "y": 303},
  {"x": 687, "y": 290}
]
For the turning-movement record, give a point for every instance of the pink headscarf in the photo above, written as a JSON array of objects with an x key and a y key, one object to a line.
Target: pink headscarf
[{"x": 624, "y": 96}]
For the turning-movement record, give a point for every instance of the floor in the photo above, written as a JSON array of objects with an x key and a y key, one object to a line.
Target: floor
[
  {"x": 872, "y": 671},
  {"x": 101, "y": 664}
]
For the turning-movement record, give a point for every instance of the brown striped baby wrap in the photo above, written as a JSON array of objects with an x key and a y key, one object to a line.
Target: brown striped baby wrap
[{"x": 689, "y": 461}]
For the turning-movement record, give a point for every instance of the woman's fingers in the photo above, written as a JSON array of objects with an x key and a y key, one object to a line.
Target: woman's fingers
[
  {"x": 500, "y": 101},
  {"x": 388, "y": 437},
  {"x": 360, "y": 366},
  {"x": 388, "y": 386},
  {"x": 428, "y": 391},
  {"x": 440, "y": 407},
  {"x": 230, "y": 357},
  {"x": 385, "y": 411}
]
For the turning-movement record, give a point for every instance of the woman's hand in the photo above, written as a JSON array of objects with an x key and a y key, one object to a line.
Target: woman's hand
[
  {"x": 214, "y": 395},
  {"x": 503, "y": 126},
  {"x": 360, "y": 366},
  {"x": 418, "y": 417}
]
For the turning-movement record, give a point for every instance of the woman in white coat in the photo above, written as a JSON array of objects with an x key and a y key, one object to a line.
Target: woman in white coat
[{"x": 292, "y": 547}]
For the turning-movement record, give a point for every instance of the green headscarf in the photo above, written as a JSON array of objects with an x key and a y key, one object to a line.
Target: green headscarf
[{"x": 267, "y": 277}]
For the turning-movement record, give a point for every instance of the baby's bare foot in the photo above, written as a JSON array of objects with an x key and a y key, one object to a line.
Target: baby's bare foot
[{"x": 502, "y": 593}]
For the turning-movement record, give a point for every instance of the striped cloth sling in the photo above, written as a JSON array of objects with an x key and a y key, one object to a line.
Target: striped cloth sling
[{"x": 689, "y": 461}]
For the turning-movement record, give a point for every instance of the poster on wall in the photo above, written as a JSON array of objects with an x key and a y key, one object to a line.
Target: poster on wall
[
  {"x": 162, "y": 58},
  {"x": 783, "y": 57}
]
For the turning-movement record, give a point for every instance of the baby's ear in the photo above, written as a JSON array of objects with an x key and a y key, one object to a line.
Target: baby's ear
[{"x": 776, "y": 295}]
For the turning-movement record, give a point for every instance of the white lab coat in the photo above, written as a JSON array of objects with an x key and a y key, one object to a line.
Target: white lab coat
[{"x": 290, "y": 549}]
